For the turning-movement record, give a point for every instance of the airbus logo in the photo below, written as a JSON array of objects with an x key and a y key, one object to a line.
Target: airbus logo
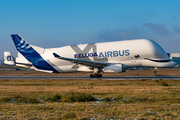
[
  {"x": 103, "y": 54},
  {"x": 114, "y": 53}
]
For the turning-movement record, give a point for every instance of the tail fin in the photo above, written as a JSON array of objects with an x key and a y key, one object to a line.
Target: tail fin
[
  {"x": 31, "y": 54},
  {"x": 8, "y": 59},
  {"x": 23, "y": 47}
]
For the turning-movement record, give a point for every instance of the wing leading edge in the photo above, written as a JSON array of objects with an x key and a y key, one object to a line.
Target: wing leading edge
[{"x": 93, "y": 64}]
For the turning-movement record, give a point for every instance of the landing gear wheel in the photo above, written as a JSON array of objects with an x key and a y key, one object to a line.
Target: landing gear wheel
[
  {"x": 95, "y": 76},
  {"x": 91, "y": 76},
  {"x": 100, "y": 76}
]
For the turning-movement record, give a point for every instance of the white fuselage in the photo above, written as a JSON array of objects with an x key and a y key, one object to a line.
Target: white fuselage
[{"x": 130, "y": 53}]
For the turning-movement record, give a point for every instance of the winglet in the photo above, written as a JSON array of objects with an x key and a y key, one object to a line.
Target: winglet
[{"x": 56, "y": 55}]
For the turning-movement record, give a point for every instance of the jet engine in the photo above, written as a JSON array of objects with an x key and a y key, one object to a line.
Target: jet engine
[{"x": 116, "y": 68}]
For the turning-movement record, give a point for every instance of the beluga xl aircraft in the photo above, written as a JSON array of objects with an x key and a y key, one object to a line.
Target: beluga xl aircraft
[{"x": 112, "y": 57}]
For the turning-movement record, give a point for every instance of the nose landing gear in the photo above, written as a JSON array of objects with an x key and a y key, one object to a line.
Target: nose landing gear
[{"x": 155, "y": 70}]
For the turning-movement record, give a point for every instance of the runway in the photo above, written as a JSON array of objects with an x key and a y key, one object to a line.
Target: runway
[{"x": 87, "y": 78}]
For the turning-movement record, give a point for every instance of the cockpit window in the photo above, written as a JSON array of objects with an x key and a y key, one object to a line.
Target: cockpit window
[{"x": 137, "y": 56}]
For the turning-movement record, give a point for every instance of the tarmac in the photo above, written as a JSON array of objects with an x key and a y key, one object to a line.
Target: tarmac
[{"x": 88, "y": 78}]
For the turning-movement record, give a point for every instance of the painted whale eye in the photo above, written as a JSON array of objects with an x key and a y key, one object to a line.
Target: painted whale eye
[{"x": 137, "y": 56}]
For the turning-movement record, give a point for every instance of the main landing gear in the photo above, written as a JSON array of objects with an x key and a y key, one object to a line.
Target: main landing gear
[
  {"x": 96, "y": 73},
  {"x": 95, "y": 76}
]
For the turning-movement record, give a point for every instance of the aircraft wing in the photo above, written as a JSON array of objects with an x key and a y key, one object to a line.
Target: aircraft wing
[{"x": 93, "y": 64}]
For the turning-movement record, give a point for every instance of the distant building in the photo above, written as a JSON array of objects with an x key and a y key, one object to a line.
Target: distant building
[{"x": 175, "y": 57}]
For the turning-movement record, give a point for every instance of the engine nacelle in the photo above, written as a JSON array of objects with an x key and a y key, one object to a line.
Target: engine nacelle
[{"x": 117, "y": 68}]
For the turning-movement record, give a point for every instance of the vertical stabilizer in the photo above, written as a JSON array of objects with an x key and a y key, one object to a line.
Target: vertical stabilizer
[
  {"x": 31, "y": 54},
  {"x": 8, "y": 59}
]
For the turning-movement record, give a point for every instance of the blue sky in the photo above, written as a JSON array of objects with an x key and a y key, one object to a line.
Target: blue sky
[{"x": 55, "y": 23}]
